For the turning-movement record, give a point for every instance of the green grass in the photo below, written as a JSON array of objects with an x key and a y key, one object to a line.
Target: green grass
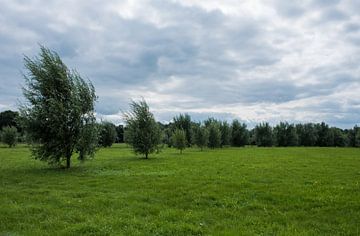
[{"x": 232, "y": 191}]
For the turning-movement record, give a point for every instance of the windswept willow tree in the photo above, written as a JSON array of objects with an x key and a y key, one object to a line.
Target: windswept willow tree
[
  {"x": 59, "y": 113},
  {"x": 142, "y": 131}
]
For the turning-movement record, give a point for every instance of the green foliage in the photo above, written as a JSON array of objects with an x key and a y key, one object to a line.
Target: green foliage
[
  {"x": 179, "y": 139},
  {"x": 340, "y": 139},
  {"x": 142, "y": 132},
  {"x": 166, "y": 135},
  {"x": 88, "y": 139},
  {"x": 107, "y": 134},
  {"x": 120, "y": 134},
  {"x": 354, "y": 137},
  {"x": 214, "y": 135},
  {"x": 183, "y": 121},
  {"x": 9, "y": 135},
  {"x": 60, "y": 104},
  {"x": 325, "y": 135},
  {"x": 286, "y": 135},
  {"x": 9, "y": 118},
  {"x": 239, "y": 134},
  {"x": 307, "y": 134},
  {"x": 264, "y": 135},
  {"x": 201, "y": 137},
  {"x": 225, "y": 133},
  {"x": 232, "y": 191}
]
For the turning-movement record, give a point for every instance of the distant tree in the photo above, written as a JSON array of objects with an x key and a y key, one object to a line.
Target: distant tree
[
  {"x": 183, "y": 121},
  {"x": 264, "y": 135},
  {"x": 179, "y": 139},
  {"x": 211, "y": 121},
  {"x": 252, "y": 137},
  {"x": 354, "y": 136},
  {"x": 280, "y": 134},
  {"x": 286, "y": 134},
  {"x": 225, "y": 133},
  {"x": 166, "y": 137},
  {"x": 142, "y": 132},
  {"x": 292, "y": 136},
  {"x": 9, "y": 135},
  {"x": 59, "y": 105},
  {"x": 194, "y": 128},
  {"x": 340, "y": 138},
  {"x": 239, "y": 134},
  {"x": 120, "y": 134},
  {"x": 9, "y": 118},
  {"x": 307, "y": 134},
  {"x": 325, "y": 135},
  {"x": 88, "y": 139},
  {"x": 201, "y": 137},
  {"x": 107, "y": 134},
  {"x": 214, "y": 135}
]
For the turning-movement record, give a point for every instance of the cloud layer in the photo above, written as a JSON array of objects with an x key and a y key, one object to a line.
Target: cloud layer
[{"x": 252, "y": 60}]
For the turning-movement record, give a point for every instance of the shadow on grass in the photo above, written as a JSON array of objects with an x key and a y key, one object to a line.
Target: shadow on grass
[{"x": 141, "y": 159}]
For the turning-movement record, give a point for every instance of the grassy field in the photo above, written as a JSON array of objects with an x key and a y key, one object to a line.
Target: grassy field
[{"x": 232, "y": 191}]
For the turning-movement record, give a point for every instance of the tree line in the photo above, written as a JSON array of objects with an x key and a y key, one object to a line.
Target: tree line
[
  {"x": 183, "y": 132},
  {"x": 58, "y": 120},
  {"x": 214, "y": 133}
]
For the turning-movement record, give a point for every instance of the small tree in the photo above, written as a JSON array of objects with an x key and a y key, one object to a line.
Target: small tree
[
  {"x": 179, "y": 139},
  {"x": 9, "y": 135},
  {"x": 107, "y": 134},
  {"x": 142, "y": 132},
  {"x": 214, "y": 135},
  {"x": 201, "y": 137},
  {"x": 60, "y": 104}
]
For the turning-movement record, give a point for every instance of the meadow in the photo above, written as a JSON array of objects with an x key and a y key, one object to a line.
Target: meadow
[{"x": 229, "y": 191}]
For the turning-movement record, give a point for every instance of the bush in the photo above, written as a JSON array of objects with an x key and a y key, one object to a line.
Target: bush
[{"x": 9, "y": 135}]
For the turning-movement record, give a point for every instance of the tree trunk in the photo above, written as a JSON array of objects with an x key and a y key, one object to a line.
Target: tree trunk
[
  {"x": 146, "y": 155},
  {"x": 68, "y": 162}
]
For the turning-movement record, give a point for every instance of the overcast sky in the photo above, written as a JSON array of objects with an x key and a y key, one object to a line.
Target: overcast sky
[{"x": 269, "y": 60}]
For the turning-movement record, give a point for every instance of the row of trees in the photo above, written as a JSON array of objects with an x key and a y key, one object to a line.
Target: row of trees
[
  {"x": 214, "y": 133},
  {"x": 211, "y": 133},
  {"x": 58, "y": 120}
]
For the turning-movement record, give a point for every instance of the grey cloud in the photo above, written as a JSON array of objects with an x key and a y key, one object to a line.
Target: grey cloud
[
  {"x": 217, "y": 59},
  {"x": 324, "y": 3},
  {"x": 333, "y": 14},
  {"x": 290, "y": 9},
  {"x": 352, "y": 28}
]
